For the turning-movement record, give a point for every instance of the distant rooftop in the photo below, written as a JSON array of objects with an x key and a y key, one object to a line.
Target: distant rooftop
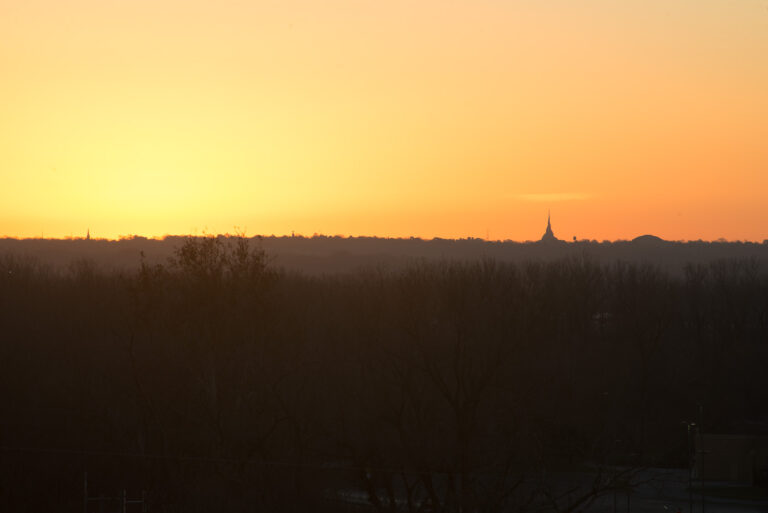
[{"x": 648, "y": 238}]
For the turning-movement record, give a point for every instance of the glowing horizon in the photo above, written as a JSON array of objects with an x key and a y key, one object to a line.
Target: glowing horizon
[{"x": 427, "y": 119}]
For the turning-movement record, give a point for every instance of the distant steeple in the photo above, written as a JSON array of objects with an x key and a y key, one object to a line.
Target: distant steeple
[
  {"x": 549, "y": 236},
  {"x": 88, "y": 234}
]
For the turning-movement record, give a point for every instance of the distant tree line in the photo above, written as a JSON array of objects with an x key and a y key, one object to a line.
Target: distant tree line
[
  {"x": 217, "y": 383},
  {"x": 320, "y": 254}
]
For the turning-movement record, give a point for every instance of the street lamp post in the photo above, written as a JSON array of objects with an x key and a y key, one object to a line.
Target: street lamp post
[
  {"x": 701, "y": 456},
  {"x": 690, "y": 426}
]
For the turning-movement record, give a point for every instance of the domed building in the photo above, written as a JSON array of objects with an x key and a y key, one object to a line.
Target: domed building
[{"x": 648, "y": 239}]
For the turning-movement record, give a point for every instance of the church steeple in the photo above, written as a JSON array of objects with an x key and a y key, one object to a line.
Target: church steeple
[{"x": 549, "y": 236}]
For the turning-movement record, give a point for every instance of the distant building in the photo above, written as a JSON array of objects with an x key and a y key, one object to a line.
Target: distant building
[
  {"x": 549, "y": 236},
  {"x": 648, "y": 239}
]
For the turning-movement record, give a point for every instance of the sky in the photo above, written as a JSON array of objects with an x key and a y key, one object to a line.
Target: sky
[{"x": 425, "y": 118}]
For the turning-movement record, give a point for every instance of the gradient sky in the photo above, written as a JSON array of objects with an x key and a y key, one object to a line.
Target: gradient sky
[{"x": 425, "y": 118}]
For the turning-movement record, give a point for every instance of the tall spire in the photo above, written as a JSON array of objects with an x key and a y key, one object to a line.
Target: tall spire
[{"x": 549, "y": 236}]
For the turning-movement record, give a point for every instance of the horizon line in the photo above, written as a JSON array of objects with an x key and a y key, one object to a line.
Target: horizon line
[{"x": 161, "y": 238}]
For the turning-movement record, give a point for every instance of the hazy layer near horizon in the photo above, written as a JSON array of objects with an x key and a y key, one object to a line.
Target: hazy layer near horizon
[{"x": 322, "y": 254}]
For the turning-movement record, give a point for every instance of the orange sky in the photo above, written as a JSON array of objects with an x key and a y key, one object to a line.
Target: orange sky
[{"x": 429, "y": 118}]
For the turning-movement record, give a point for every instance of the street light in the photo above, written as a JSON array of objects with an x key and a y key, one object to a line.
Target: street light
[
  {"x": 690, "y": 426},
  {"x": 701, "y": 458}
]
